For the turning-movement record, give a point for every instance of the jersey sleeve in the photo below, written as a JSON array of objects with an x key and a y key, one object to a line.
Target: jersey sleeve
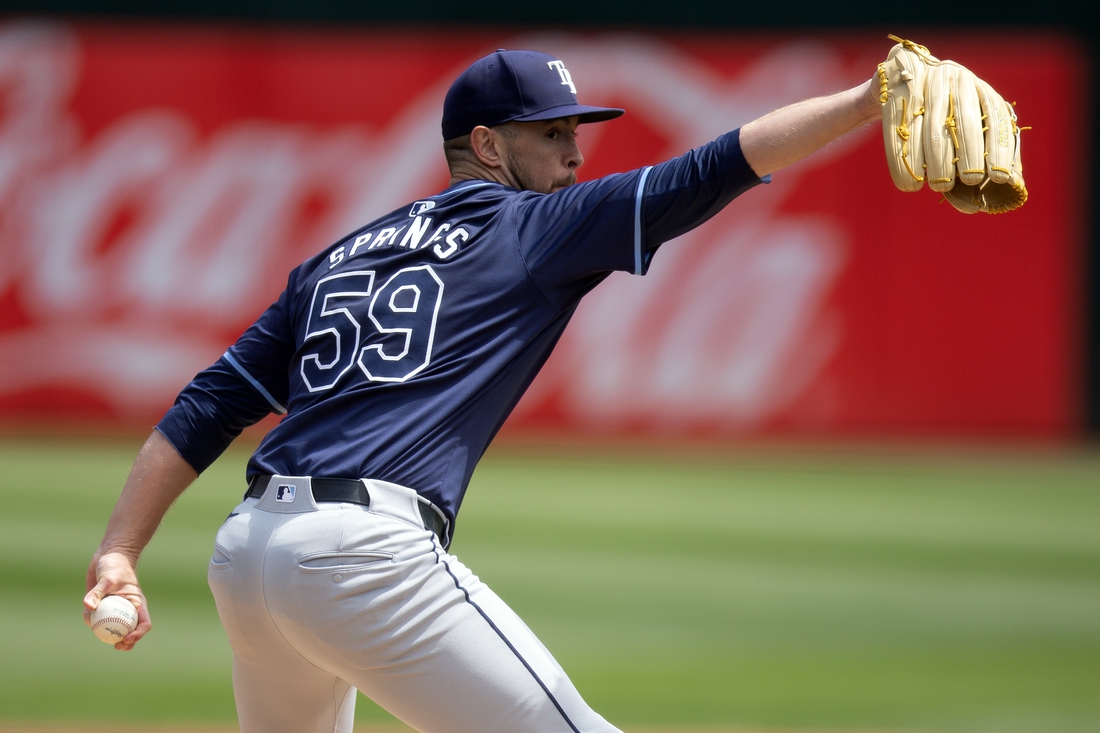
[
  {"x": 682, "y": 193},
  {"x": 572, "y": 238},
  {"x": 245, "y": 385}
]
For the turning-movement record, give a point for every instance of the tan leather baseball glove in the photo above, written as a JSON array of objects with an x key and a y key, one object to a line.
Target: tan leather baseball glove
[{"x": 944, "y": 125}]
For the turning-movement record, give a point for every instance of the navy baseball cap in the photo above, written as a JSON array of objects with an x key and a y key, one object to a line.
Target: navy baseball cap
[{"x": 521, "y": 86}]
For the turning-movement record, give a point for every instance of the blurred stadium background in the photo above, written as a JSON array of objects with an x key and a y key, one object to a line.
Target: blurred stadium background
[{"x": 831, "y": 465}]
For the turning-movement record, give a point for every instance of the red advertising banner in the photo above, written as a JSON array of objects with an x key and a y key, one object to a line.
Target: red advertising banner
[{"x": 158, "y": 182}]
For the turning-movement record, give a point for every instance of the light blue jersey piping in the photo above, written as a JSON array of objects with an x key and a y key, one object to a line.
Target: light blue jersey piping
[
  {"x": 639, "y": 254},
  {"x": 256, "y": 385}
]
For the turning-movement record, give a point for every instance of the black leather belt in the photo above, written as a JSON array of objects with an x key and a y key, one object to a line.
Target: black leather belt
[{"x": 350, "y": 491}]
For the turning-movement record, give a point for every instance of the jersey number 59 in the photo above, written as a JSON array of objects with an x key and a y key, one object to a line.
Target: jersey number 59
[{"x": 388, "y": 332}]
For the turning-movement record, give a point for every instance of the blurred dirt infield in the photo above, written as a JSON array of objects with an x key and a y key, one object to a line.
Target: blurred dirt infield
[
  {"x": 135, "y": 728},
  {"x": 397, "y": 728},
  {"x": 121, "y": 728},
  {"x": 13, "y": 728},
  {"x": 382, "y": 728},
  {"x": 153, "y": 728},
  {"x": 393, "y": 728}
]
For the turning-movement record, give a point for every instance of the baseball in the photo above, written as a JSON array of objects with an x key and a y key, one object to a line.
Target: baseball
[{"x": 114, "y": 618}]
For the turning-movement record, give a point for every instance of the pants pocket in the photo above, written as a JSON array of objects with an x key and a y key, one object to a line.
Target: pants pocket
[
  {"x": 329, "y": 562},
  {"x": 231, "y": 535},
  {"x": 221, "y": 559}
]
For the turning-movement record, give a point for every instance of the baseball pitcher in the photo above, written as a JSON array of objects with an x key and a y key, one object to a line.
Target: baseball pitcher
[{"x": 396, "y": 354}]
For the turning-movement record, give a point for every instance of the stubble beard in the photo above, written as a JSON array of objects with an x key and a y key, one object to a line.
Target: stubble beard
[{"x": 526, "y": 180}]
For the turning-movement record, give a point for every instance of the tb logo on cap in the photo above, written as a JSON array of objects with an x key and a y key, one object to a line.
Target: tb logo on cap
[{"x": 566, "y": 79}]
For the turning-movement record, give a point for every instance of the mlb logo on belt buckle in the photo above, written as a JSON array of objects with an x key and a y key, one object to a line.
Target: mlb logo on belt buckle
[{"x": 285, "y": 492}]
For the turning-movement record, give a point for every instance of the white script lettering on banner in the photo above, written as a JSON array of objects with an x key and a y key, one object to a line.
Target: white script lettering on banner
[{"x": 135, "y": 253}]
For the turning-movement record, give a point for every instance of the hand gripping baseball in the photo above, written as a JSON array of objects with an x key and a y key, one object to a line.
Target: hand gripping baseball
[
  {"x": 112, "y": 574},
  {"x": 944, "y": 125}
]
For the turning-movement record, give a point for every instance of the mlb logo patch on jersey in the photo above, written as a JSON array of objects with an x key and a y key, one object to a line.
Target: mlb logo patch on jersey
[
  {"x": 285, "y": 493},
  {"x": 420, "y": 207}
]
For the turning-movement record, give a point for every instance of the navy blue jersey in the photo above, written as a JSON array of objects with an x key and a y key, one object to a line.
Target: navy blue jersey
[{"x": 397, "y": 353}]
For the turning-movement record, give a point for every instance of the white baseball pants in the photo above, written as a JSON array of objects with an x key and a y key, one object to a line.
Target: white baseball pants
[{"x": 321, "y": 599}]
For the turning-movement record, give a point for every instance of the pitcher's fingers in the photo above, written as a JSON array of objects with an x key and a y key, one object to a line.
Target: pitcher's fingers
[
  {"x": 97, "y": 593},
  {"x": 145, "y": 625}
]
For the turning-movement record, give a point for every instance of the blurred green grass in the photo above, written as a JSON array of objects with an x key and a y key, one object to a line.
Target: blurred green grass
[{"x": 822, "y": 588}]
